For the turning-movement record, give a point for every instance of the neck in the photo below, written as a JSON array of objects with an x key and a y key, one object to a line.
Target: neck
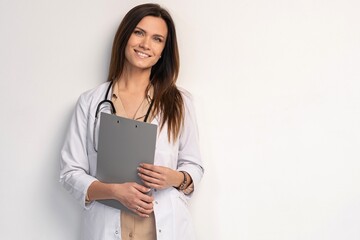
[{"x": 134, "y": 80}]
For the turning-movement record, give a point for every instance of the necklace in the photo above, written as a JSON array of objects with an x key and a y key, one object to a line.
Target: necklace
[{"x": 118, "y": 96}]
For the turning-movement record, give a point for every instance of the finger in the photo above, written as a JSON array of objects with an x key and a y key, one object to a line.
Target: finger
[
  {"x": 151, "y": 167},
  {"x": 142, "y": 211},
  {"x": 152, "y": 180},
  {"x": 149, "y": 179},
  {"x": 143, "y": 193},
  {"x": 149, "y": 172},
  {"x": 148, "y": 182},
  {"x": 146, "y": 198},
  {"x": 152, "y": 185},
  {"x": 141, "y": 188},
  {"x": 145, "y": 206}
]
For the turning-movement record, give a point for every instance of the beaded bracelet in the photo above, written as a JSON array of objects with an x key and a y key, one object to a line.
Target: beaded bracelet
[{"x": 183, "y": 184}]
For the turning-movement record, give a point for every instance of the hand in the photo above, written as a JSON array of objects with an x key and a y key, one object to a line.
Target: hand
[
  {"x": 133, "y": 196},
  {"x": 159, "y": 177}
]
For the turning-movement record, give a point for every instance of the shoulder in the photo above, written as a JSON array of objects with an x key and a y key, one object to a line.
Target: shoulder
[
  {"x": 187, "y": 99},
  {"x": 186, "y": 96},
  {"x": 95, "y": 93},
  {"x": 92, "y": 97},
  {"x": 189, "y": 130}
]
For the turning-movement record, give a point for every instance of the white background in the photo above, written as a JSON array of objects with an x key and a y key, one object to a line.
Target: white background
[{"x": 276, "y": 87}]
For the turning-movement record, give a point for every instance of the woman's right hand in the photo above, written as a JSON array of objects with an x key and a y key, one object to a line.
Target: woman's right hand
[{"x": 134, "y": 196}]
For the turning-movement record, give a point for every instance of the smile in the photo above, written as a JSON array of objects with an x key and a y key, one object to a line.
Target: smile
[{"x": 141, "y": 54}]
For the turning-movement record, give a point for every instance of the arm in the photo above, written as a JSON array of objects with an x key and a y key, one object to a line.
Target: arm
[
  {"x": 75, "y": 170},
  {"x": 160, "y": 177},
  {"x": 189, "y": 160},
  {"x": 131, "y": 195},
  {"x": 189, "y": 150},
  {"x": 74, "y": 163}
]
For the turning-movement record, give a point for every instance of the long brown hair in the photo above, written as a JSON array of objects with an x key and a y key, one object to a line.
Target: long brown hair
[{"x": 167, "y": 98}]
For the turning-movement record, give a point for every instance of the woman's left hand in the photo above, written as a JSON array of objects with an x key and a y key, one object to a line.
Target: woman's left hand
[{"x": 159, "y": 177}]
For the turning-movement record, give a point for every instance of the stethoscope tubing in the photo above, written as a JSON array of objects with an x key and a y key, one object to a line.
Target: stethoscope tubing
[{"x": 113, "y": 110}]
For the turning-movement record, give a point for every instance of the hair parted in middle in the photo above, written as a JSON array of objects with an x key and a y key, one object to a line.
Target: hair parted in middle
[{"x": 167, "y": 98}]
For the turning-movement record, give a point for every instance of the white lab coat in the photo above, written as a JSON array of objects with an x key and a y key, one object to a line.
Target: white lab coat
[{"x": 78, "y": 168}]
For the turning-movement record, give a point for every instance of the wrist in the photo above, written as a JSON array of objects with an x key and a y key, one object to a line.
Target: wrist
[
  {"x": 184, "y": 181},
  {"x": 179, "y": 179},
  {"x": 113, "y": 191}
]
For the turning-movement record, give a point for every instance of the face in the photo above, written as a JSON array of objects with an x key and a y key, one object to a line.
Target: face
[{"x": 146, "y": 43}]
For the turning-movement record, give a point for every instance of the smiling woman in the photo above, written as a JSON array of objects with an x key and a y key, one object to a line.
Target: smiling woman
[
  {"x": 142, "y": 86},
  {"x": 146, "y": 44}
]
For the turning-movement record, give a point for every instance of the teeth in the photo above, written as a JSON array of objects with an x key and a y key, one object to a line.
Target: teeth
[{"x": 143, "y": 55}]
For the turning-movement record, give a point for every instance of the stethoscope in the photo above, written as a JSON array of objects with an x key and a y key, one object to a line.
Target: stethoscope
[{"x": 105, "y": 102}]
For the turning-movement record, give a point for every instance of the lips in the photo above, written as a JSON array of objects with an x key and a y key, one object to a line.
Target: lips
[{"x": 142, "y": 54}]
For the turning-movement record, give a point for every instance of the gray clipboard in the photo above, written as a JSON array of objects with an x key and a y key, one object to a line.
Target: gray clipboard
[{"x": 123, "y": 144}]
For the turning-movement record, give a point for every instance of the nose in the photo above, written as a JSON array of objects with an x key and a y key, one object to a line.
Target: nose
[{"x": 145, "y": 43}]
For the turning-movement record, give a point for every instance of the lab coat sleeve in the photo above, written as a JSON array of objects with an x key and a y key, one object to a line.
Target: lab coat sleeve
[
  {"x": 189, "y": 158},
  {"x": 74, "y": 164}
]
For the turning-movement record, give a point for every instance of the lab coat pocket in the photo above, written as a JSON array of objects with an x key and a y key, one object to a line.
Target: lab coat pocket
[
  {"x": 182, "y": 214},
  {"x": 183, "y": 198},
  {"x": 179, "y": 201}
]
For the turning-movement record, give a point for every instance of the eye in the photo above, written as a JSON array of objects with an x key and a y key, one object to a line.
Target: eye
[
  {"x": 138, "y": 33},
  {"x": 158, "y": 39}
]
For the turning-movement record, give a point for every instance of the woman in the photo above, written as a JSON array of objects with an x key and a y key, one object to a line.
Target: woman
[{"x": 141, "y": 85}]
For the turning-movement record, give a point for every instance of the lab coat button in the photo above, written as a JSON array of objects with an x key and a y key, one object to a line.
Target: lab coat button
[
  {"x": 156, "y": 202},
  {"x": 116, "y": 232},
  {"x": 159, "y": 230}
]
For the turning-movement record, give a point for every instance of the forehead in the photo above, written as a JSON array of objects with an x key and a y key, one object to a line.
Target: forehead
[{"x": 153, "y": 25}]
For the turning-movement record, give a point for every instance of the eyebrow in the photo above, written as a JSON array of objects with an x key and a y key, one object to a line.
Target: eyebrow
[{"x": 157, "y": 35}]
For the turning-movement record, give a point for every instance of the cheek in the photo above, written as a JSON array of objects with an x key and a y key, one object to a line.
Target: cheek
[
  {"x": 127, "y": 54},
  {"x": 127, "y": 49},
  {"x": 132, "y": 40},
  {"x": 158, "y": 50}
]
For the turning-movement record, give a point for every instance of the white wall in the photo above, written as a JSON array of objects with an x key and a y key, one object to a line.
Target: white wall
[{"x": 276, "y": 85}]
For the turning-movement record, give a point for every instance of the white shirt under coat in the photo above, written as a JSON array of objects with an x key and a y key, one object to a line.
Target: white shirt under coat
[{"x": 78, "y": 168}]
